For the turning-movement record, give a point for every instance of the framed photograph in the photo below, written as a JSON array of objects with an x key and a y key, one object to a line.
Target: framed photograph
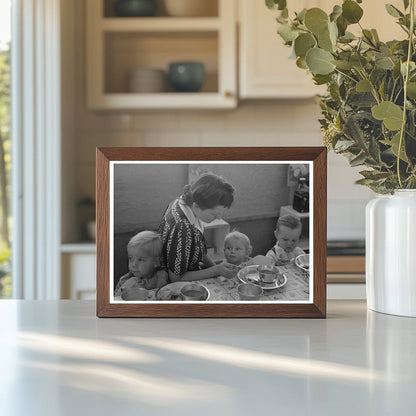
[{"x": 211, "y": 232}]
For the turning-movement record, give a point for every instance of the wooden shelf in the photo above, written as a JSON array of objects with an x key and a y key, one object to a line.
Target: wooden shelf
[
  {"x": 116, "y": 46},
  {"x": 345, "y": 269},
  {"x": 160, "y": 24},
  {"x": 346, "y": 264},
  {"x": 163, "y": 100}
]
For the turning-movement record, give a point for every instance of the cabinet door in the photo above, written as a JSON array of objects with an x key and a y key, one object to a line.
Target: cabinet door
[
  {"x": 78, "y": 276},
  {"x": 265, "y": 69}
]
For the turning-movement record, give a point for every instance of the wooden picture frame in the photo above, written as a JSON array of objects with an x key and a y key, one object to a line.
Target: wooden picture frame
[{"x": 134, "y": 184}]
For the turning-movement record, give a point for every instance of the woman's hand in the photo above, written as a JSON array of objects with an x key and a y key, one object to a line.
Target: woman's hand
[{"x": 226, "y": 269}]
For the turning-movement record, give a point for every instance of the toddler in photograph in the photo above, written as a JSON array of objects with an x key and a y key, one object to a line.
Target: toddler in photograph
[
  {"x": 287, "y": 233},
  {"x": 237, "y": 251},
  {"x": 237, "y": 248},
  {"x": 144, "y": 253}
]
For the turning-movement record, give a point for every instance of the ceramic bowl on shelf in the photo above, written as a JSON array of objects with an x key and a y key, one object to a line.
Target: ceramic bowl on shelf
[
  {"x": 135, "y": 8},
  {"x": 191, "y": 8},
  {"x": 147, "y": 80},
  {"x": 186, "y": 76}
]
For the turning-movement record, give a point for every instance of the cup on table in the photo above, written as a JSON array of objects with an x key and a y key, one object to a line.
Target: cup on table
[
  {"x": 249, "y": 291},
  {"x": 193, "y": 291}
]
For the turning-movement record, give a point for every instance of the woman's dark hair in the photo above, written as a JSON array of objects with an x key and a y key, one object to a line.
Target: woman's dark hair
[{"x": 208, "y": 191}]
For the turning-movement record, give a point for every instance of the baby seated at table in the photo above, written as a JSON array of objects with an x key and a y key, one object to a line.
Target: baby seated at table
[
  {"x": 237, "y": 250},
  {"x": 144, "y": 252},
  {"x": 287, "y": 233}
]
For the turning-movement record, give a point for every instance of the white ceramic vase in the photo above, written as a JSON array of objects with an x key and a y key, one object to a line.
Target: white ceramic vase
[{"x": 391, "y": 253}]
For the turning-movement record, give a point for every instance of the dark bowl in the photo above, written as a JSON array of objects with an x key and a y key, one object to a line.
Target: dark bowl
[
  {"x": 186, "y": 76},
  {"x": 135, "y": 8}
]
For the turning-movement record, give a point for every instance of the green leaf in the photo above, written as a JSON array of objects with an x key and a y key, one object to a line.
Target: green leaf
[
  {"x": 406, "y": 4},
  {"x": 325, "y": 42},
  {"x": 358, "y": 61},
  {"x": 276, "y": 4},
  {"x": 319, "y": 61},
  {"x": 342, "y": 25},
  {"x": 351, "y": 11},
  {"x": 393, "y": 11},
  {"x": 343, "y": 145},
  {"x": 394, "y": 143},
  {"x": 347, "y": 37},
  {"x": 316, "y": 20},
  {"x": 384, "y": 62},
  {"x": 321, "y": 79},
  {"x": 375, "y": 35},
  {"x": 345, "y": 65},
  {"x": 301, "y": 63},
  {"x": 374, "y": 174},
  {"x": 303, "y": 43},
  {"x": 391, "y": 114},
  {"x": 287, "y": 33},
  {"x": 363, "y": 86},
  {"x": 336, "y": 12},
  {"x": 301, "y": 15},
  {"x": 358, "y": 160},
  {"x": 411, "y": 90}
]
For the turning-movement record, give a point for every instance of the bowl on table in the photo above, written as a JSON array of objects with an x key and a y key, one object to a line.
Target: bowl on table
[
  {"x": 173, "y": 291},
  {"x": 269, "y": 274},
  {"x": 302, "y": 262},
  {"x": 249, "y": 291},
  {"x": 193, "y": 292},
  {"x": 186, "y": 76}
]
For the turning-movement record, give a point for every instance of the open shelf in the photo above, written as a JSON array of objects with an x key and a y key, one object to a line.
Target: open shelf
[{"x": 118, "y": 45}]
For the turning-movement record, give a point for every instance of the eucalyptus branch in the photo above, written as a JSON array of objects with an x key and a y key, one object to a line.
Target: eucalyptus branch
[
  {"x": 346, "y": 75},
  {"x": 405, "y": 81},
  {"x": 373, "y": 88}
]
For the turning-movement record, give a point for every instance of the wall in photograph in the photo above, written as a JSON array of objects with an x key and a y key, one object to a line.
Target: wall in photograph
[
  {"x": 143, "y": 192},
  {"x": 260, "y": 189}
]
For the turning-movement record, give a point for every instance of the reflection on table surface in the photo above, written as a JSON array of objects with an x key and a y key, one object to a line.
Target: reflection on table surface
[{"x": 356, "y": 362}]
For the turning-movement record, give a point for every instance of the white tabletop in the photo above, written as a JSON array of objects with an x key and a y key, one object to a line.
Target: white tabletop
[{"x": 57, "y": 358}]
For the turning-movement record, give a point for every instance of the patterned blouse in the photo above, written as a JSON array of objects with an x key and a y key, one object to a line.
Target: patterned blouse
[{"x": 184, "y": 246}]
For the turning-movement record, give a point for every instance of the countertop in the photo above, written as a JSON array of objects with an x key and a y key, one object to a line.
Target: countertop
[{"x": 57, "y": 358}]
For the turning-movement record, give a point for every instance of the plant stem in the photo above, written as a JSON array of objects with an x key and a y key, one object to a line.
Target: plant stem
[{"x": 405, "y": 81}]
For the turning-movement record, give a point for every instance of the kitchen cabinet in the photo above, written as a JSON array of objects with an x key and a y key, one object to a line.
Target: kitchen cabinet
[
  {"x": 265, "y": 70},
  {"x": 118, "y": 45},
  {"x": 78, "y": 264}
]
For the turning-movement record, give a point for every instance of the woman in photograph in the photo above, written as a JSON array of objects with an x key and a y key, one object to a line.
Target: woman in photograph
[{"x": 184, "y": 250}]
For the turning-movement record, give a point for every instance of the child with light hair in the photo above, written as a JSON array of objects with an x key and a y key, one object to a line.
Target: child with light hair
[
  {"x": 144, "y": 252},
  {"x": 287, "y": 233},
  {"x": 237, "y": 248}
]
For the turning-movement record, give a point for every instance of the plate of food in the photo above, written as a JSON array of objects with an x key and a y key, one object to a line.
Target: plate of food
[
  {"x": 183, "y": 291},
  {"x": 302, "y": 262},
  {"x": 252, "y": 274}
]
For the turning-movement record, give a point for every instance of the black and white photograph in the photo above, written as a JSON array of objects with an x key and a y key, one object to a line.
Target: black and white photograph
[{"x": 215, "y": 231}]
